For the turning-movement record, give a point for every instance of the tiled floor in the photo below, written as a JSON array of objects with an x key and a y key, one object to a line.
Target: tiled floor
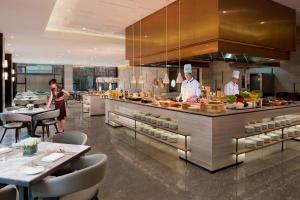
[{"x": 144, "y": 170}]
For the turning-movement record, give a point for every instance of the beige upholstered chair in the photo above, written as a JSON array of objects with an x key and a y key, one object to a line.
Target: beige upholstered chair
[
  {"x": 81, "y": 184},
  {"x": 8, "y": 193},
  {"x": 14, "y": 121},
  {"x": 45, "y": 120},
  {"x": 70, "y": 137}
]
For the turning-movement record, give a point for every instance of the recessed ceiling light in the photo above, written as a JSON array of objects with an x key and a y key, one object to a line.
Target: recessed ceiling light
[
  {"x": 83, "y": 28},
  {"x": 8, "y": 44},
  {"x": 12, "y": 37},
  {"x": 262, "y": 22},
  {"x": 224, "y": 11}
]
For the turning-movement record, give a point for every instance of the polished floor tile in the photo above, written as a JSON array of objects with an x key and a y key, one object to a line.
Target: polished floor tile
[{"x": 145, "y": 170}]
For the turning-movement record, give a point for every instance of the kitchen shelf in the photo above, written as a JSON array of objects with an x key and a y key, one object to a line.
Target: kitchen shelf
[
  {"x": 265, "y": 131},
  {"x": 154, "y": 125},
  {"x": 174, "y": 145},
  {"x": 247, "y": 150},
  {"x": 182, "y": 147}
]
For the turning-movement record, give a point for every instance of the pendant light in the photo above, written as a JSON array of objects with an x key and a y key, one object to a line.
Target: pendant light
[
  {"x": 166, "y": 79},
  {"x": 141, "y": 81},
  {"x": 133, "y": 80},
  {"x": 179, "y": 78}
]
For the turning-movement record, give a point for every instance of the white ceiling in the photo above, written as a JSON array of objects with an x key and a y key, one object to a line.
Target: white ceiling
[
  {"x": 76, "y": 32},
  {"x": 80, "y": 32}
]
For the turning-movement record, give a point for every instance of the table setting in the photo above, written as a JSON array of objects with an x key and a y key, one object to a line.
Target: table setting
[{"x": 31, "y": 160}]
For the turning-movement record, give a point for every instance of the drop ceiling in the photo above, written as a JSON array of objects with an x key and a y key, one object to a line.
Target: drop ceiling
[{"x": 77, "y": 32}]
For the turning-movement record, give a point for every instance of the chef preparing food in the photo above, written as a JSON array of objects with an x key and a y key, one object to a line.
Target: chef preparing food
[
  {"x": 190, "y": 87},
  {"x": 232, "y": 87}
]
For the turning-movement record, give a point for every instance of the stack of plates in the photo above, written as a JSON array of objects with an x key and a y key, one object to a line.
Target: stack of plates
[
  {"x": 271, "y": 125},
  {"x": 264, "y": 126},
  {"x": 153, "y": 120},
  {"x": 146, "y": 130},
  {"x": 257, "y": 127},
  {"x": 277, "y": 123},
  {"x": 143, "y": 117},
  {"x": 266, "y": 138},
  {"x": 148, "y": 119},
  {"x": 274, "y": 136},
  {"x": 172, "y": 138},
  {"x": 173, "y": 125},
  {"x": 259, "y": 141},
  {"x": 157, "y": 133},
  {"x": 164, "y": 135},
  {"x": 166, "y": 124},
  {"x": 159, "y": 122},
  {"x": 152, "y": 132},
  {"x": 249, "y": 129},
  {"x": 283, "y": 122},
  {"x": 290, "y": 132},
  {"x": 250, "y": 144},
  {"x": 288, "y": 121}
]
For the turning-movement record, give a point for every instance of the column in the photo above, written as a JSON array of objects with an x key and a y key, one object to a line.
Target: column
[
  {"x": 8, "y": 81},
  {"x": 68, "y": 77}
]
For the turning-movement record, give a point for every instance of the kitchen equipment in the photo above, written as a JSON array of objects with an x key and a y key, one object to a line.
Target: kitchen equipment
[{"x": 257, "y": 127}]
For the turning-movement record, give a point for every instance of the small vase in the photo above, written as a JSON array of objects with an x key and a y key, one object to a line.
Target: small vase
[{"x": 29, "y": 150}]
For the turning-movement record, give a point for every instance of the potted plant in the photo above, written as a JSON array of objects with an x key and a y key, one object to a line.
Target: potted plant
[{"x": 30, "y": 146}]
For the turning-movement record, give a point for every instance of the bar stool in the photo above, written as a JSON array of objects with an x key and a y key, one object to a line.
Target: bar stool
[
  {"x": 45, "y": 120},
  {"x": 14, "y": 121}
]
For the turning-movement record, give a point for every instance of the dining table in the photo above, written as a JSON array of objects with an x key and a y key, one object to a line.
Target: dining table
[
  {"x": 30, "y": 112},
  {"x": 25, "y": 171}
]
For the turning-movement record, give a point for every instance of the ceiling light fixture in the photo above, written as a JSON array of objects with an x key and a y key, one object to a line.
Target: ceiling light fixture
[
  {"x": 12, "y": 37},
  {"x": 224, "y": 11},
  {"x": 83, "y": 28},
  {"x": 166, "y": 79},
  {"x": 8, "y": 44},
  {"x": 179, "y": 78},
  {"x": 262, "y": 22}
]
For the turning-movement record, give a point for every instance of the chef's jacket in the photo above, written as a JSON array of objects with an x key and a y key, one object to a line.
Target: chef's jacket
[
  {"x": 190, "y": 89},
  {"x": 231, "y": 88}
]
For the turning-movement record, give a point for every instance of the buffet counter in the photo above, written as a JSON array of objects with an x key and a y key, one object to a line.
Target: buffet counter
[{"x": 210, "y": 137}]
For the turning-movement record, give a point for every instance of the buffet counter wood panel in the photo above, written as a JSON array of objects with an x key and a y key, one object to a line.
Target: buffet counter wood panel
[{"x": 211, "y": 135}]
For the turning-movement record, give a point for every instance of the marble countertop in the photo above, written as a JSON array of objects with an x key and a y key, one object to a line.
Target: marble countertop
[
  {"x": 12, "y": 163},
  {"x": 227, "y": 112}
]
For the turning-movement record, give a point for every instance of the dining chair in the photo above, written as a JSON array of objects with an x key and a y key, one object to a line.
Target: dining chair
[
  {"x": 14, "y": 121},
  {"x": 8, "y": 193},
  {"x": 21, "y": 102},
  {"x": 83, "y": 183},
  {"x": 70, "y": 137},
  {"x": 45, "y": 120}
]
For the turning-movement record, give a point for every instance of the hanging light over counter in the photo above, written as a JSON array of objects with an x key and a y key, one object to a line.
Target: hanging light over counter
[
  {"x": 166, "y": 79},
  {"x": 179, "y": 78}
]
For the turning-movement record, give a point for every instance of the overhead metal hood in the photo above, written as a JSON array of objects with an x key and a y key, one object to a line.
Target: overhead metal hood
[{"x": 248, "y": 32}]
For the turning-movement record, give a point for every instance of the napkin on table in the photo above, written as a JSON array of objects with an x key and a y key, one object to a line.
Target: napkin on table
[{"x": 52, "y": 157}]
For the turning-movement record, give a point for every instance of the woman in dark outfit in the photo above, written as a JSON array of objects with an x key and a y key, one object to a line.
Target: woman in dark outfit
[{"x": 57, "y": 93}]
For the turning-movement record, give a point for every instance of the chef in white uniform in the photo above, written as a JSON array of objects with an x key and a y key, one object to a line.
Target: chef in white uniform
[
  {"x": 190, "y": 87},
  {"x": 232, "y": 87}
]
